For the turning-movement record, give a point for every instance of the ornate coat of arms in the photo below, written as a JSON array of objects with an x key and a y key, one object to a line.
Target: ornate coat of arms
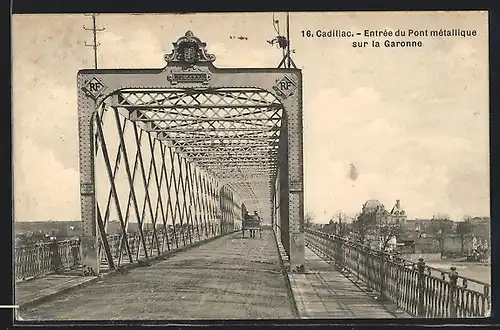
[
  {"x": 190, "y": 54},
  {"x": 189, "y": 50}
]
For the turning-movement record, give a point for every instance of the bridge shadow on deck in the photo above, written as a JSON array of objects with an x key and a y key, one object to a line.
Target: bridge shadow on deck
[{"x": 228, "y": 278}]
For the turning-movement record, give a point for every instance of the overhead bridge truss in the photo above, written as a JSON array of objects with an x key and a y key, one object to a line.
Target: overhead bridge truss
[{"x": 174, "y": 155}]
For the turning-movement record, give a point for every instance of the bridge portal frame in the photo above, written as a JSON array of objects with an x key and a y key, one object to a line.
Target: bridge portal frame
[{"x": 189, "y": 67}]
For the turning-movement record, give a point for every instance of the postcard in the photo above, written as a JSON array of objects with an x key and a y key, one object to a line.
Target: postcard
[{"x": 224, "y": 166}]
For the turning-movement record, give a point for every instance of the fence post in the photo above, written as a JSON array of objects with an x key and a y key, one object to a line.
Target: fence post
[
  {"x": 398, "y": 263},
  {"x": 337, "y": 247},
  {"x": 382, "y": 264},
  {"x": 421, "y": 288},
  {"x": 332, "y": 248},
  {"x": 75, "y": 251},
  {"x": 487, "y": 305},
  {"x": 368, "y": 267},
  {"x": 326, "y": 243},
  {"x": 453, "y": 292},
  {"x": 357, "y": 263},
  {"x": 338, "y": 251},
  {"x": 39, "y": 257},
  {"x": 55, "y": 257},
  {"x": 343, "y": 251}
]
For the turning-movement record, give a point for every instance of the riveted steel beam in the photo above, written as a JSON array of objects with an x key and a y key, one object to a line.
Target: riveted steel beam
[
  {"x": 146, "y": 180},
  {"x": 206, "y": 130},
  {"x": 159, "y": 184},
  {"x": 135, "y": 203},
  {"x": 246, "y": 154},
  {"x": 226, "y": 149},
  {"x": 118, "y": 156},
  {"x": 168, "y": 182},
  {"x": 177, "y": 206}
]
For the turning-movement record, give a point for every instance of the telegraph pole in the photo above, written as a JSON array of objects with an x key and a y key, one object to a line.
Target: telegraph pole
[
  {"x": 289, "y": 59},
  {"x": 284, "y": 43},
  {"x": 94, "y": 44}
]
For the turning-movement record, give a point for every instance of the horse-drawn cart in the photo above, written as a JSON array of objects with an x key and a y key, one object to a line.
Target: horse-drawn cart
[{"x": 252, "y": 223}]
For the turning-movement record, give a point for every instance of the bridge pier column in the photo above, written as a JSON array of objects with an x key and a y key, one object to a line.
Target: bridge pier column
[
  {"x": 87, "y": 113},
  {"x": 294, "y": 177}
]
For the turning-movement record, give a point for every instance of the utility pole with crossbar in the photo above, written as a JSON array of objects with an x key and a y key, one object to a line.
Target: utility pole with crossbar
[{"x": 94, "y": 43}]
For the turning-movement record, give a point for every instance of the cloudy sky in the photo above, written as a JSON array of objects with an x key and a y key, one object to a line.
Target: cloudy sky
[{"x": 414, "y": 121}]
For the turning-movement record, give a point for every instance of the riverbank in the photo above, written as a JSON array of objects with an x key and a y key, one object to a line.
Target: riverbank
[{"x": 473, "y": 270}]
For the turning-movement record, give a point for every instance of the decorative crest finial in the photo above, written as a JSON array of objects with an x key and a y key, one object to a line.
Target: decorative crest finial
[{"x": 189, "y": 50}]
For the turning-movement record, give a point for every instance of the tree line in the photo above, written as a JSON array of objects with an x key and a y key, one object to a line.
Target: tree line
[{"x": 366, "y": 225}]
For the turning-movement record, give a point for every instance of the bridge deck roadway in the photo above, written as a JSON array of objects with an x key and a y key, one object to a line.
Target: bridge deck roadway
[{"x": 228, "y": 278}]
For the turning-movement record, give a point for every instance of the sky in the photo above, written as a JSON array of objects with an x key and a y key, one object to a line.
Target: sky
[{"x": 413, "y": 121}]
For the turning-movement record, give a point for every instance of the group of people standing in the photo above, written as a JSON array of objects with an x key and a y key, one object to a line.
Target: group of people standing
[{"x": 254, "y": 227}]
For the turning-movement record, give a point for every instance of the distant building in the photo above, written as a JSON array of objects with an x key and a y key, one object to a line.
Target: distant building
[
  {"x": 398, "y": 213},
  {"x": 376, "y": 211},
  {"x": 374, "y": 207}
]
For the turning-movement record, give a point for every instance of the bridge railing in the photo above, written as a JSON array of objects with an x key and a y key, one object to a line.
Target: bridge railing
[
  {"x": 164, "y": 241},
  {"x": 57, "y": 256},
  {"x": 415, "y": 288},
  {"x": 47, "y": 257}
]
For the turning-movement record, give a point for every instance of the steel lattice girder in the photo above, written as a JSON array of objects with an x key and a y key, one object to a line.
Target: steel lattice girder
[
  {"x": 191, "y": 210},
  {"x": 250, "y": 114},
  {"x": 249, "y": 155},
  {"x": 228, "y": 110},
  {"x": 202, "y": 150}
]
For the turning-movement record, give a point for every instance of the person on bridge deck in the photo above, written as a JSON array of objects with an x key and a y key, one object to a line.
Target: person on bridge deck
[
  {"x": 246, "y": 216},
  {"x": 255, "y": 217}
]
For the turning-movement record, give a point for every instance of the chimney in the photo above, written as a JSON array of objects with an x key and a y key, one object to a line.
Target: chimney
[{"x": 398, "y": 204}]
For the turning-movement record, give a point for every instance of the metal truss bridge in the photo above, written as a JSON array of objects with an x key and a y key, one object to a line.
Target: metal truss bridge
[
  {"x": 187, "y": 148},
  {"x": 170, "y": 159}
]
